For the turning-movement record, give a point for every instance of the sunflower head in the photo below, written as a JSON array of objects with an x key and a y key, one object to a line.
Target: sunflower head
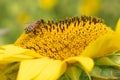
[{"x": 63, "y": 39}]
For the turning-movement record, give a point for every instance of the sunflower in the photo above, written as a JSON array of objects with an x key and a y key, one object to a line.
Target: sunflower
[
  {"x": 23, "y": 18},
  {"x": 89, "y": 7},
  {"x": 47, "y": 4},
  {"x": 59, "y": 50}
]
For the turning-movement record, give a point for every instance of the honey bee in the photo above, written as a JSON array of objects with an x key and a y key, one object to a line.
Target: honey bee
[{"x": 32, "y": 26}]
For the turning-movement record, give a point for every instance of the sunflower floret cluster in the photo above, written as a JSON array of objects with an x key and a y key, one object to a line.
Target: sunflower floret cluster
[{"x": 63, "y": 39}]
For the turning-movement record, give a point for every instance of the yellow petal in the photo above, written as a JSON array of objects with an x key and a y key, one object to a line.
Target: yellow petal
[
  {"x": 85, "y": 62},
  {"x": 47, "y": 4},
  {"x": 118, "y": 26},
  {"x": 12, "y": 49},
  {"x": 102, "y": 46},
  {"x": 13, "y": 58},
  {"x": 31, "y": 68},
  {"x": 53, "y": 71},
  {"x": 11, "y": 53}
]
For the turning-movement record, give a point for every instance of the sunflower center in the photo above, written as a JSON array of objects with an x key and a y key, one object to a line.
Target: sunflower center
[{"x": 62, "y": 39}]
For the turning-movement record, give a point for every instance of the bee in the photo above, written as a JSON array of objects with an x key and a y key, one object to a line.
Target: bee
[{"x": 32, "y": 26}]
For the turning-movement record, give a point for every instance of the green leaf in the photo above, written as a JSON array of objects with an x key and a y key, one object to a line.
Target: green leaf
[
  {"x": 73, "y": 72},
  {"x": 9, "y": 71},
  {"x": 112, "y": 59},
  {"x": 105, "y": 72},
  {"x": 105, "y": 61},
  {"x": 64, "y": 77},
  {"x": 115, "y": 59},
  {"x": 84, "y": 76},
  {"x": 117, "y": 53}
]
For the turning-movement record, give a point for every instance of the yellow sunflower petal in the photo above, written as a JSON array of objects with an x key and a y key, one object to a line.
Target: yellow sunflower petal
[
  {"x": 118, "y": 27},
  {"x": 102, "y": 46},
  {"x": 11, "y": 49},
  {"x": 53, "y": 71},
  {"x": 13, "y": 58},
  {"x": 31, "y": 68},
  {"x": 85, "y": 62},
  {"x": 89, "y": 7},
  {"x": 10, "y": 53},
  {"x": 47, "y": 4}
]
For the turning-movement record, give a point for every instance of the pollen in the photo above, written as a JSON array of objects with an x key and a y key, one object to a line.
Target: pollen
[{"x": 63, "y": 39}]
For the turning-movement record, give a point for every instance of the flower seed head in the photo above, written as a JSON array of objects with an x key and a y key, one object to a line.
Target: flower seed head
[{"x": 63, "y": 39}]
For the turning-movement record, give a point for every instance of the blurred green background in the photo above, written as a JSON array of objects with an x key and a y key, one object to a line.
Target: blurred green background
[{"x": 15, "y": 13}]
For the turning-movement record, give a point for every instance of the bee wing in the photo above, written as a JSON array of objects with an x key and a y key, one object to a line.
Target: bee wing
[{"x": 27, "y": 24}]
